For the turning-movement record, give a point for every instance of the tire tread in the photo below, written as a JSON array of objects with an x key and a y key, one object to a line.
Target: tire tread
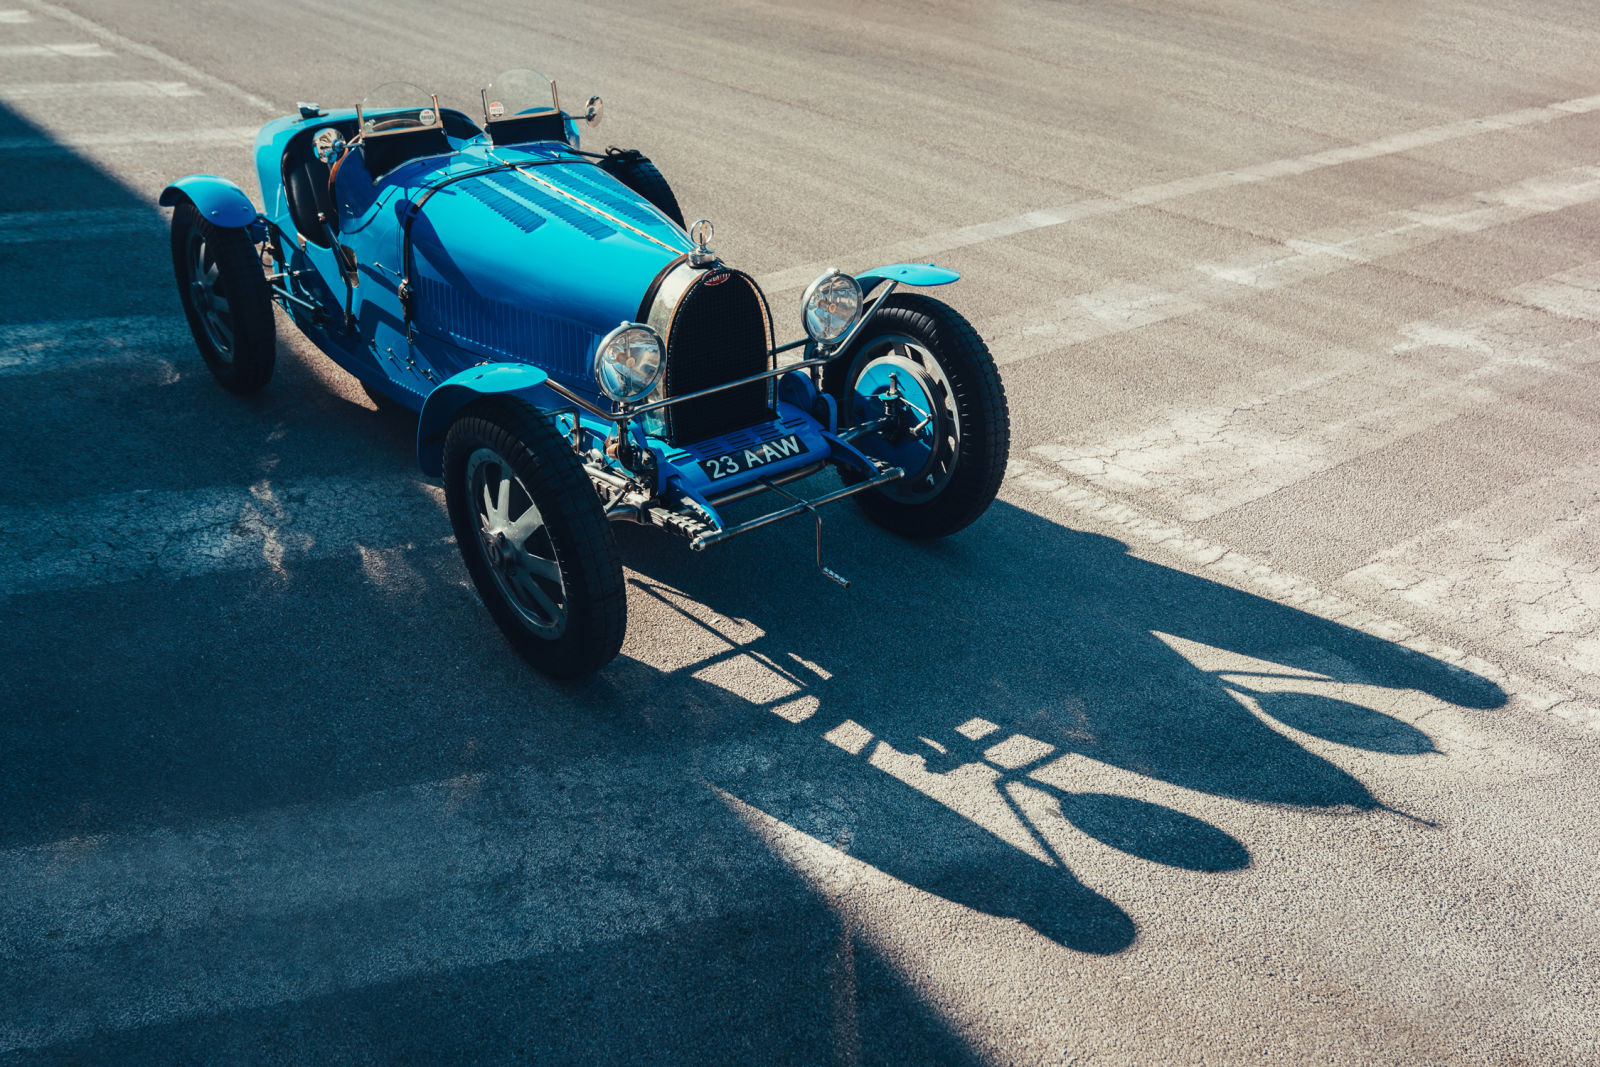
[
  {"x": 980, "y": 404},
  {"x": 596, "y": 592}
]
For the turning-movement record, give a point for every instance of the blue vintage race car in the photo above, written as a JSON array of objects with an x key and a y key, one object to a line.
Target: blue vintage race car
[{"x": 577, "y": 356}]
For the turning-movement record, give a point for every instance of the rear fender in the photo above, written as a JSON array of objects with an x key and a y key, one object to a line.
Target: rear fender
[
  {"x": 219, "y": 201},
  {"x": 439, "y": 410},
  {"x": 923, "y": 274}
]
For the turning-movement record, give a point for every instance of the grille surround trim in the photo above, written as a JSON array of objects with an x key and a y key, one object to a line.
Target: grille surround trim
[{"x": 698, "y": 358}]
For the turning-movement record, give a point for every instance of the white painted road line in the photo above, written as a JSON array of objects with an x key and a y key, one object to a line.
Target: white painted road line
[
  {"x": 15, "y": 18},
  {"x": 242, "y": 136},
  {"x": 923, "y": 248},
  {"x": 1220, "y": 563},
  {"x": 34, "y": 348},
  {"x": 154, "y": 535},
  {"x": 420, "y": 879},
  {"x": 1121, "y": 308},
  {"x": 79, "y": 90},
  {"x": 129, "y": 46},
  {"x": 1525, "y": 567},
  {"x": 54, "y": 51},
  {"x": 1200, "y": 462},
  {"x": 27, "y": 227}
]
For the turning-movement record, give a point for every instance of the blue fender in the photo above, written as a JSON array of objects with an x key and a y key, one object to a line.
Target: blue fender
[
  {"x": 459, "y": 390},
  {"x": 218, "y": 200},
  {"x": 907, "y": 274}
]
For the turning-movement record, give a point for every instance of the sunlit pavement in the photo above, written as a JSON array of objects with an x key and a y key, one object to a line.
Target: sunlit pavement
[{"x": 1256, "y": 721}]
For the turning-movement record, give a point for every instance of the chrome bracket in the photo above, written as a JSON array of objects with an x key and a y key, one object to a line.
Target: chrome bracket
[{"x": 817, "y": 515}]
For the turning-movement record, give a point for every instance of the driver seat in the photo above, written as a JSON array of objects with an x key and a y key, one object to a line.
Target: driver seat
[{"x": 305, "y": 187}]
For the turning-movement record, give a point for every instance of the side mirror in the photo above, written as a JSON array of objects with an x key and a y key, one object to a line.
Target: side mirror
[
  {"x": 328, "y": 145},
  {"x": 595, "y": 110}
]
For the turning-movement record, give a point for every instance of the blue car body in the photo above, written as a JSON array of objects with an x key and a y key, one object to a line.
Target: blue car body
[
  {"x": 484, "y": 269},
  {"x": 496, "y": 269}
]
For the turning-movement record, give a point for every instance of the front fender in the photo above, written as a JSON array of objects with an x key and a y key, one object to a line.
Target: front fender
[
  {"x": 218, "y": 200},
  {"x": 925, "y": 274},
  {"x": 456, "y": 392}
]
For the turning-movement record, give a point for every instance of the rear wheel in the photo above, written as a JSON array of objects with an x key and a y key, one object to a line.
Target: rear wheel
[
  {"x": 226, "y": 300},
  {"x": 923, "y": 376},
  {"x": 534, "y": 538},
  {"x": 635, "y": 171}
]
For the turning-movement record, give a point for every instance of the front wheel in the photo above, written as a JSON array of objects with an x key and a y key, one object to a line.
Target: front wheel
[
  {"x": 923, "y": 378},
  {"x": 534, "y": 539}
]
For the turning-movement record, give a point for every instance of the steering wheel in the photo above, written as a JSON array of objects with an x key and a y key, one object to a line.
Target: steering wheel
[{"x": 333, "y": 171}]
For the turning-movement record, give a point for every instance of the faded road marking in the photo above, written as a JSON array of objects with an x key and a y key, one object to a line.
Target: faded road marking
[
  {"x": 1526, "y": 569},
  {"x": 128, "y": 45},
  {"x": 89, "y": 142},
  {"x": 153, "y": 535},
  {"x": 420, "y": 879},
  {"x": 79, "y": 90},
  {"x": 1221, "y": 563},
  {"x": 1130, "y": 306},
  {"x": 34, "y": 348},
  {"x": 54, "y": 51},
  {"x": 28, "y": 227},
  {"x": 924, "y": 247}
]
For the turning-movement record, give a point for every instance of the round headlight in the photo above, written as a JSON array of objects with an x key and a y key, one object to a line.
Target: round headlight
[
  {"x": 830, "y": 307},
  {"x": 627, "y": 363}
]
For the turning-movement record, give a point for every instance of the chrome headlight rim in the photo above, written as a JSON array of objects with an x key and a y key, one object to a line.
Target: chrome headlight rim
[
  {"x": 830, "y": 279},
  {"x": 600, "y": 363}
]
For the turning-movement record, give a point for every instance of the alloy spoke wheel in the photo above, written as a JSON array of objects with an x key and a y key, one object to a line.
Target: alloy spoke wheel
[
  {"x": 209, "y": 296},
  {"x": 516, "y": 543}
]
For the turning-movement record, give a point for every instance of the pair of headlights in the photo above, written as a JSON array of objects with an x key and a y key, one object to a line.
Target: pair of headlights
[{"x": 628, "y": 362}]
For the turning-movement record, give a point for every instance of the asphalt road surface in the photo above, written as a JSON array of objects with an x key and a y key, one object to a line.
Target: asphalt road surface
[{"x": 1257, "y": 721}]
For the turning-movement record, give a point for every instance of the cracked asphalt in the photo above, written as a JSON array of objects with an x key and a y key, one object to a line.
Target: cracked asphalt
[{"x": 1258, "y": 721}]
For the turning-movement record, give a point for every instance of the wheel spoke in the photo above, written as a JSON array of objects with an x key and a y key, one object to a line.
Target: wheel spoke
[
  {"x": 488, "y": 507},
  {"x": 547, "y": 569},
  {"x": 222, "y": 330},
  {"x": 503, "y": 503},
  {"x": 525, "y": 582},
  {"x": 524, "y": 527},
  {"x": 219, "y": 304}
]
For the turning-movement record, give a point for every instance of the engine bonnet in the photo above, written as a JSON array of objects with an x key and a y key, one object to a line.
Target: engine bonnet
[{"x": 536, "y": 264}]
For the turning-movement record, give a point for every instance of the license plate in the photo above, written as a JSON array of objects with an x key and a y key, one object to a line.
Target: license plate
[{"x": 730, "y": 463}]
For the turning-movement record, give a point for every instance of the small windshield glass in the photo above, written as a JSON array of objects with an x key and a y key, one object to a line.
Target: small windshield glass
[
  {"x": 518, "y": 93},
  {"x": 397, "y": 106}
]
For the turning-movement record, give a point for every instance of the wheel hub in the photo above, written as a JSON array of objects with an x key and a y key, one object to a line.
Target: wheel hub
[
  {"x": 499, "y": 550},
  {"x": 899, "y": 384}
]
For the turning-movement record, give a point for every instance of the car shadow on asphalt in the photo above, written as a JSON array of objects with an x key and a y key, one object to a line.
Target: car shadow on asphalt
[{"x": 943, "y": 699}]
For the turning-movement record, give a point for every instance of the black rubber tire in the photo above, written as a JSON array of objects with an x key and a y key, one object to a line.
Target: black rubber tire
[
  {"x": 639, "y": 174},
  {"x": 581, "y": 538},
  {"x": 979, "y": 401},
  {"x": 241, "y": 280}
]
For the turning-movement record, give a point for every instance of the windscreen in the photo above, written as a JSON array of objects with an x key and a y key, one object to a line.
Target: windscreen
[
  {"x": 397, "y": 106},
  {"x": 518, "y": 93}
]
